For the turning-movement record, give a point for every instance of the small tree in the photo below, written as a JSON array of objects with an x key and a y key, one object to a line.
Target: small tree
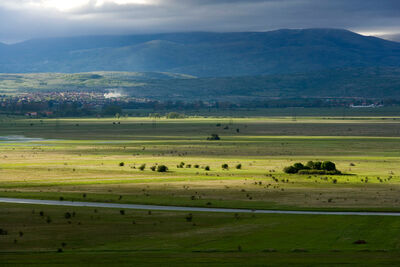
[
  {"x": 214, "y": 137},
  {"x": 290, "y": 170},
  {"x": 181, "y": 165},
  {"x": 298, "y": 166},
  {"x": 328, "y": 166},
  {"x": 207, "y": 168},
  {"x": 142, "y": 167},
  {"x": 310, "y": 164},
  {"x": 121, "y": 164},
  {"x": 225, "y": 166},
  {"x": 239, "y": 166},
  {"x": 317, "y": 165},
  {"x": 162, "y": 168}
]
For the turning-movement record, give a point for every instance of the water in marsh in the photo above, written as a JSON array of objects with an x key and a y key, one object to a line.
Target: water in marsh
[{"x": 21, "y": 140}]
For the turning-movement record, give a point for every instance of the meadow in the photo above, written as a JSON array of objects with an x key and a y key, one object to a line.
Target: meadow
[{"x": 99, "y": 160}]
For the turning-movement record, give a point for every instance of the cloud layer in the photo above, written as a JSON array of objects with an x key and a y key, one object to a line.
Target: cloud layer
[{"x": 26, "y": 19}]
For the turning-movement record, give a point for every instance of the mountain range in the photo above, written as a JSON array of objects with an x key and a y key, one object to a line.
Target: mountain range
[{"x": 203, "y": 54}]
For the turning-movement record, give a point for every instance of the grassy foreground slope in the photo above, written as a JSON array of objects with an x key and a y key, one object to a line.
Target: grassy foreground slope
[
  {"x": 106, "y": 237},
  {"x": 79, "y": 159}
]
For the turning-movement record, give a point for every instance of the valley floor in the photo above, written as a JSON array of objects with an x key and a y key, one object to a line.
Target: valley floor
[{"x": 98, "y": 160}]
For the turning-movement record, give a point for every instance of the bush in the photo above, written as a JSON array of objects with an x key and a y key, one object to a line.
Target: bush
[
  {"x": 319, "y": 172},
  {"x": 121, "y": 164},
  {"x": 225, "y": 166},
  {"x": 3, "y": 232},
  {"x": 189, "y": 217},
  {"x": 196, "y": 166},
  {"x": 181, "y": 165},
  {"x": 214, "y": 137},
  {"x": 162, "y": 168},
  {"x": 153, "y": 168},
  {"x": 207, "y": 168},
  {"x": 239, "y": 166},
  {"x": 142, "y": 167}
]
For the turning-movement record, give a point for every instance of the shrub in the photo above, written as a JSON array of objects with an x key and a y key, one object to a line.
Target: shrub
[
  {"x": 181, "y": 165},
  {"x": 207, "y": 168},
  {"x": 225, "y": 166},
  {"x": 153, "y": 168},
  {"x": 162, "y": 168},
  {"x": 319, "y": 172},
  {"x": 239, "y": 166},
  {"x": 189, "y": 217},
  {"x": 142, "y": 167},
  {"x": 121, "y": 164},
  {"x": 189, "y": 166},
  {"x": 213, "y": 137}
]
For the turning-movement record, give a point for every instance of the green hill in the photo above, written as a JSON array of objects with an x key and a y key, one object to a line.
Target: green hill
[{"x": 203, "y": 54}]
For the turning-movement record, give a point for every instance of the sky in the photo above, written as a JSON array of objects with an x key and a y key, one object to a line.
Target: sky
[{"x": 27, "y": 19}]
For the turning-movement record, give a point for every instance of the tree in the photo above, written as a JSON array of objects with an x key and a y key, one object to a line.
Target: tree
[
  {"x": 142, "y": 167},
  {"x": 310, "y": 164},
  {"x": 290, "y": 169},
  {"x": 225, "y": 166},
  {"x": 317, "y": 165},
  {"x": 298, "y": 166},
  {"x": 162, "y": 168},
  {"x": 328, "y": 166}
]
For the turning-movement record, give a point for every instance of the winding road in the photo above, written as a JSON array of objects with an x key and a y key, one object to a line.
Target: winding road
[{"x": 187, "y": 209}]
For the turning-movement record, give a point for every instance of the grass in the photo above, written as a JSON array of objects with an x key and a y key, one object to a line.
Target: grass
[
  {"x": 79, "y": 159},
  {"x": 140, "y": 237}
]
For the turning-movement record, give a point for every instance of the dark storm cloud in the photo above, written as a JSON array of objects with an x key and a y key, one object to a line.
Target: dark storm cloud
[{"x": 19, "y": 20}]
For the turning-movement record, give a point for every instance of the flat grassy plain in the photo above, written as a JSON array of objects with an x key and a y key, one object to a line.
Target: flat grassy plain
[{"x": 79, "y": 159}]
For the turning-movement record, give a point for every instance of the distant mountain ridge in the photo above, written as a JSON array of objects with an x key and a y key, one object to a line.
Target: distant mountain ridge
[{"x": 203, "y": 54}]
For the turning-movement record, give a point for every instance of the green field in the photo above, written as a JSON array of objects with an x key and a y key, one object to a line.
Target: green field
[{"x": 79, "y": 159}]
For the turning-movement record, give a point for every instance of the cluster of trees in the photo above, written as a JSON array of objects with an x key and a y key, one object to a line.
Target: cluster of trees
[{"x": 312, "y": 167}]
